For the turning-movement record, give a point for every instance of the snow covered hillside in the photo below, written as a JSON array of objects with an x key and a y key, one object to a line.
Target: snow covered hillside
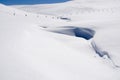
[{"x": 75, "y": 40}]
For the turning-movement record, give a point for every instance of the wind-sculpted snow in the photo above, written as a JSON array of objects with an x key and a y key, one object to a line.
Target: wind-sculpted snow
[
  {"x": 80, "y": 32},
  {"x": 98, "y": 51},
  {"x": 29, "y": 52},
  {"x": 103, "y": 53},
  {"x": 85, "y": 33}
]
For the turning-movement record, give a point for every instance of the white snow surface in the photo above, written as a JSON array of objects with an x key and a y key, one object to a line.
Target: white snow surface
[{"x": 31, "y": 50}]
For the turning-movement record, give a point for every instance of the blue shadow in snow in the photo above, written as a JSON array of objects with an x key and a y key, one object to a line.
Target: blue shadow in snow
[{"x": 85, "y": 33}]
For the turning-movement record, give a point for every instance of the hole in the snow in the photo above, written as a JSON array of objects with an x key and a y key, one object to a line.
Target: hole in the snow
[{"x": 85, "y": 33}]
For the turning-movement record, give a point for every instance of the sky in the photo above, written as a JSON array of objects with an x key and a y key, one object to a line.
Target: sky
[{"x": 18, "y": 2}]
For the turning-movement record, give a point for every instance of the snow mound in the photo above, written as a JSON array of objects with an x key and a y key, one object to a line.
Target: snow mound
[{"x": 29, "y": 52}]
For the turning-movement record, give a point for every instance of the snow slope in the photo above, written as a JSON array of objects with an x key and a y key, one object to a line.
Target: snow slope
[
  {"x": 43, "y": 46},
  {"x": 101, "y": 15}
]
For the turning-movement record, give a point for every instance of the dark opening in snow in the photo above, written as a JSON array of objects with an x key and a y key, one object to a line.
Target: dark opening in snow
[{"x": 85, "y": 33}]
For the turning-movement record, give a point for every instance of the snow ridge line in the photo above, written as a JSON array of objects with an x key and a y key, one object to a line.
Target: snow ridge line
[{"x": 103, "y": 54}]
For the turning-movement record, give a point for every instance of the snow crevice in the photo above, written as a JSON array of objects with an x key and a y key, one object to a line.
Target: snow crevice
[
  {"x": 99, "y": 51},
  {"x": 80, "y": 32},
  {"x": 87, "y": 34},
  {"x": 102, "y": 53}
]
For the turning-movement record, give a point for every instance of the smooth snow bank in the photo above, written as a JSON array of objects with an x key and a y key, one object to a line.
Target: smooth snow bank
[{"x": 27, "y": 52}]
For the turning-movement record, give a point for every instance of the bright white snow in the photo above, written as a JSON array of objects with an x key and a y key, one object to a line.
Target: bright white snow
[{"x": 31, "y": 50}]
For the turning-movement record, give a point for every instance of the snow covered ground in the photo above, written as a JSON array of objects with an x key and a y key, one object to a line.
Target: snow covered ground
[{"x": 73, "y": 40}]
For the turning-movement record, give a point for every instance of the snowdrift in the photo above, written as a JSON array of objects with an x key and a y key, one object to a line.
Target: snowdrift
[{"x": 30, "y": 50}]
